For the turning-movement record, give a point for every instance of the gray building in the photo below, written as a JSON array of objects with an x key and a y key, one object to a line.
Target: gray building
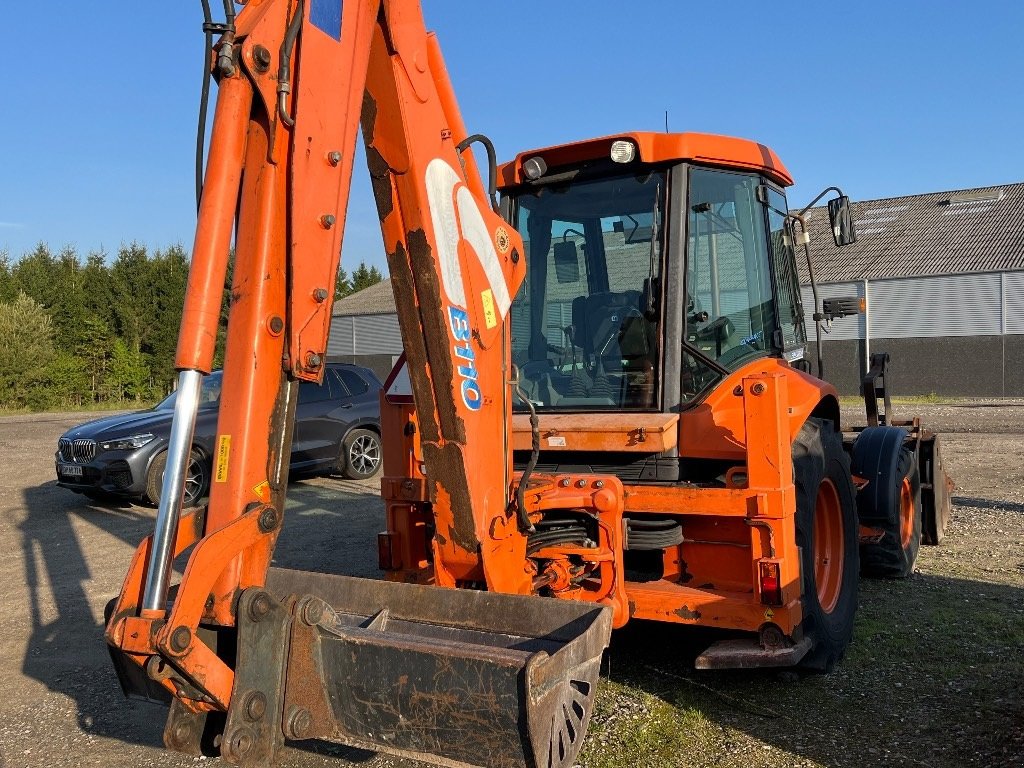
[
  {"x": 364, "y": 329},
  {"x": 943, "y": 275}
]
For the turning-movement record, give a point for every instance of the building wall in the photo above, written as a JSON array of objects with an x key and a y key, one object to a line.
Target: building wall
[
  {"x": 956, "y": 335},
  {"x": 374, "y": 341}
]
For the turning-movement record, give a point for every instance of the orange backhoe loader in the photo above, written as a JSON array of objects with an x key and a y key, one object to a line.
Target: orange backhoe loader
[{"x": 633, "y": 299}]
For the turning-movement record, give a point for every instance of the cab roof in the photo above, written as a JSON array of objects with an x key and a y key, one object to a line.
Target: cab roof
[{"x": 721, "y": 151}]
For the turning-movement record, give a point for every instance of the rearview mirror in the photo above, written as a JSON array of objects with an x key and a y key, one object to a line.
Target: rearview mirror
[
  {"x": 841, "y": 217},
  {"x": 567, "y": 262}
]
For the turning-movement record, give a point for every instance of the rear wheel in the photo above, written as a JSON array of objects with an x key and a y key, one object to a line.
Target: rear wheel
[
  {"x": 197, "y": 479},
  {"x": 826, "y": 533},
  {"x": 360, "y": 455},
  {"x": 891, "y": 502}
]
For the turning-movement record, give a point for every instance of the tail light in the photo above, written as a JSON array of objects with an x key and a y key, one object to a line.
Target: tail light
[{"x": 771, "y": 583}]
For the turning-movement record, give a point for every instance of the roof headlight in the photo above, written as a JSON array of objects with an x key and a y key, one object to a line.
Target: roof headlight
[
  {"x": 127, "y": 443},
  {"x": 623, "y": 151},
  {"x": 534, "y": 168}
]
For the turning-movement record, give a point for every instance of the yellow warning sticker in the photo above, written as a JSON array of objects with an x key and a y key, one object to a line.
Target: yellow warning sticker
[
  {"x": 223, "y": 450},
  {"x": 262, "y": 491},
  {"x": 490, "y": 316}
]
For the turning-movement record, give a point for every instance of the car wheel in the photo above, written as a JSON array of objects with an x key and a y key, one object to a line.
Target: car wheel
[
  {"x": 197, "y": 479},
  {"x": 360, "y": 455}
]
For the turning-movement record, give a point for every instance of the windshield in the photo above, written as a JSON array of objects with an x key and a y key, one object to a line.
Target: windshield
[
  {"x": 585, "y": 323},
  {"x": 209, "y": 394},
  {"x": 730, "y": 314}
]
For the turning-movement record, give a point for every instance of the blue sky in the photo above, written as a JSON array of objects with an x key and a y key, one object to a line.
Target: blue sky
[{"x": 882, "y": 98}]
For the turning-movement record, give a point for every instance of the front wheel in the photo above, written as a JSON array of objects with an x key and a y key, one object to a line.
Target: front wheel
[
  {"x": 360, "y": 455},
  {"x": 826, "y": 533},
  {"x": 197, "y": 479}
]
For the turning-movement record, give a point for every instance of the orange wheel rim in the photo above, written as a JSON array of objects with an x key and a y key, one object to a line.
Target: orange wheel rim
[
  {"x": 828, "y": 546},
  {"x": 906, "y": 513}
]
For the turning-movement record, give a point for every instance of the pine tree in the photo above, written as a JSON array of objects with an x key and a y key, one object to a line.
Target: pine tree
[
  {"x": 364, "y": 277},
  {"x": 26, "y": 351},
  {"x": 7, "y": 287},
  {"x": 342, "y": 285},
  {"x": 129, "y": 375}
]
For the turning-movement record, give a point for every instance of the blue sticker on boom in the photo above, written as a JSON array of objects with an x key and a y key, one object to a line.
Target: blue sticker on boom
[{"x": 325, "y": 15}]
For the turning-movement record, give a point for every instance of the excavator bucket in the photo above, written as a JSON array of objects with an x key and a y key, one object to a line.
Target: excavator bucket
[{"x": 455, "y": 677}]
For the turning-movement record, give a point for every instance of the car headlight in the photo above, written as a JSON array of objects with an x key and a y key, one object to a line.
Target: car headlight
[{"x": 127, "y": 443}]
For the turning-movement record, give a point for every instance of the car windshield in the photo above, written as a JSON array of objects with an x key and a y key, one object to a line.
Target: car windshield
[{"x": 209, "y": 395}]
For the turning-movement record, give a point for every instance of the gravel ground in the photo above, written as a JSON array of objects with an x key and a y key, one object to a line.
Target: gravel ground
[{"x": 933, "y": 677}]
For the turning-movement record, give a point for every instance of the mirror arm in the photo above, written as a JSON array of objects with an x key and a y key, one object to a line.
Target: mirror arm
[
  {"x": 817, "y": 316},
  {"x": 823, "y": 192}
]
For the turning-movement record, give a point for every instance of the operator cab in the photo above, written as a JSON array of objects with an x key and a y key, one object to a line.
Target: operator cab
[{"x": 657, "y": 265}]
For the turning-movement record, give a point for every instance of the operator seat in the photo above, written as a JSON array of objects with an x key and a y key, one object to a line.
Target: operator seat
[{"x": 598, "y": 317}]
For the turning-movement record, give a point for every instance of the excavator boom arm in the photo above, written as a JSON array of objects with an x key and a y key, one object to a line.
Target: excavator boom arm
[{"x": 296, "y": 78}]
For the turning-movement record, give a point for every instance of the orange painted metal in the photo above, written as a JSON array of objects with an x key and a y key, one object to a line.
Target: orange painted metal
[
  {"x": 907, "y": 512},
  {"x": 603, "y": 497},
  {"x": 712, "y": 578},
  {"x": 200, "y": 316},
  {"x": 829, "y": 551},
  {"x": 716, "y": 428},
  {"x": 453, "y": 265},
  {"x": 327, "y": 101},
  {"x": 722, "y": 151},
  {"x": 640, "y": 432}
]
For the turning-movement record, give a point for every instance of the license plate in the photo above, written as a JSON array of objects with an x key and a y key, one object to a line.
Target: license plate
[{"x": 69, "y": 470}]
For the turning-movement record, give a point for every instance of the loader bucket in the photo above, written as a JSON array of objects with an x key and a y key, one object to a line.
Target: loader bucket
[{"x": 451, "y": 676}]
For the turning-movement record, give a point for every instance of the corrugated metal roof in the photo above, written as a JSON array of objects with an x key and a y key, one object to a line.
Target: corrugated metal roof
[
  {"x": 378, "y": 299},
  {"x": 940, "y": 233}
]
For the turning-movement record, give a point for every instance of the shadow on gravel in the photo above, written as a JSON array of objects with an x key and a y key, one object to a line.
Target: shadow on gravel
[
  {"x": 1002, "y": 506},
  {"x": 65, "y": 648},
  {"x": 326, "y": 528},
  {"x": 932, "y": 678}
]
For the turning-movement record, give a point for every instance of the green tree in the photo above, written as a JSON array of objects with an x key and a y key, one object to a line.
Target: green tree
[
  {"x": 364, "y": 277},
  {"x": 7, "y": 288},
  {"x": 169, "y": 277},
  {"x": 26, "y": 351},
  {"x": 36, "y": 274},
  {"x": 67, "y": 380},
  {"x": 95, "y": 356},
  {"x": 342, "y": 285},
  {"x": 133, "y": 289},
  {"x": 68, "y": 307},
  {"x": 129, "y": 376},
  {"x": 98, "y": 288}
]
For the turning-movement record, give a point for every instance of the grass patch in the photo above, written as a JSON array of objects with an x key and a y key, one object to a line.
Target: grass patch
[{"x": 85, "y": 408}]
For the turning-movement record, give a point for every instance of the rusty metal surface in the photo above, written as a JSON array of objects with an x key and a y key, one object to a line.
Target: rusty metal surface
[
  {"x": 873, "y": 386},
  {"x": 252, "y": 734},
  {"x": 935, "y": 490},
  {"x": 456, "y": 677},
  {"x": 748, "y": 654}
]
